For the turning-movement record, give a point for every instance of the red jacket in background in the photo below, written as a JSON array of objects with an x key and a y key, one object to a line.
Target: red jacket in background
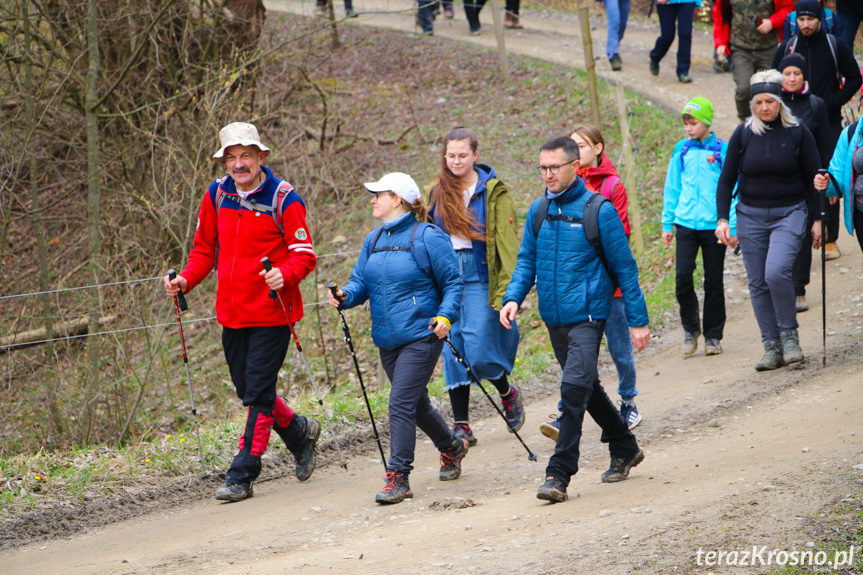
[
  {"x": 722, "y": 20},
  {"x": 594, "y": 178},
  {"x": 244, "y": 237}
]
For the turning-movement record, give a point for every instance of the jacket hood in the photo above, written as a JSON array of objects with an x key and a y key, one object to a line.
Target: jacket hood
[
  {"x": 485, "y": 173},
  {"x": 594, "y": 176},
  {"x": 399, "y": 222}
]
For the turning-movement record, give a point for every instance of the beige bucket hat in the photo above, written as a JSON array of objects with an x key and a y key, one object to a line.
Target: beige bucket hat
[{"x": 238, "y": 134}]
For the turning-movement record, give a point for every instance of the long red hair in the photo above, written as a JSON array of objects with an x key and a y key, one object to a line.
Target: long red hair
[{"x": 447, "y": 199}]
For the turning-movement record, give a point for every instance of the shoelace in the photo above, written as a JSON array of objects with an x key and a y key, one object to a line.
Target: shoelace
[
  {"x": 448, "y": 460},
  {"x": 391, "y": 478}
]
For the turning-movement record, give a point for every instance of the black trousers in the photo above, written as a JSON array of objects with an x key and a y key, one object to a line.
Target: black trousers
[
  {"x": 713, "y": 256},
  {"x": 471, "y": 11},
  {"x": 858, "y": 226},
  {"x": 576, "y": 348}
]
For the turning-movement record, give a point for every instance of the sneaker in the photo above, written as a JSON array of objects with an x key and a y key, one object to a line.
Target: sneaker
[
  {"x": 450, "y": 460},
  {"x": 306, "y": 458},
  {"x": 463, "y": 431},
  {"x": 800, "y": 304},
  {"x": 475, "y": 32},
  {"x": 690, "y": 342},
  {"x": 619, "y": 468},
  {"x": 654, "y": 68},
  {"x": 772, "y": 358},
  {"x": 630, "y": 414},
  {"x": 684, "y": 78},
  {"x": 791, "y": 351},
  {"x": 513, "y": 408},
  {"x": 712, "y": 347},
  {"x": 552, "y": 490},
  {"x": 551, "y": 429},
  {"x": 234, "y": 492},
  {"x": 831, "y": 251},
  {"x": 396, "y": 490},
  {"x": 616, "y": 62}
]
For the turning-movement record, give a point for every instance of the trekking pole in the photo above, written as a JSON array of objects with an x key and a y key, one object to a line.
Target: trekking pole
[
  {"x": 268, "y": 265},
  {"x": 531, "y": 454},
  {"x": 823, "y": 202},
  {"x": 181, "y": 305},
  {"x": 334, "y": 288}
]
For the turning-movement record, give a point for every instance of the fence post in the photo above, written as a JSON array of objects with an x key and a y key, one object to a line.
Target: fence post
[
  {"x": 631, "y": 191},
  {"x": 589, "y": 63},
  {"x": 501, "y": 45}
]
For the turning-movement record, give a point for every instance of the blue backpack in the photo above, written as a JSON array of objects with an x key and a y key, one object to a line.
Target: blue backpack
[
  {"x": 417, "y": 249},
  {"x": 716, "y": 149}
]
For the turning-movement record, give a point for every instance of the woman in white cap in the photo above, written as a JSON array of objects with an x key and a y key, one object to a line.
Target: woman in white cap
[
  {"x": 408, "y": 271},
  {"x": 473, "y": 207}
]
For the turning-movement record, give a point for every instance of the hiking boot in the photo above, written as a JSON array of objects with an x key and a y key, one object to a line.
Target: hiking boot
[
  {"x": 475, "y": 31},
  {"x": 513, "y": 408},
  {"x": 800, "y": 304},
  {"x": 351, "y": 13},
  {"x": 654, "y": 68},
  {"x": 463, "y": 431},
  {"x": 712, "y": 347},
  {"x": 690, "y": 342},
  {"x": 684, "y": 78},
  {"x": 396, "y": 489},
  {"x": 616, "y": 62},
  {"x": 450, "y": 459},
  {"x": 234, "y": 492},
  {"x": 306, "y": 457},
  {"x": 511, "y": 21},
  {"x": 552, "y": 490},
  {"x": 791, "y": 351},
  {"x": 619, "y": 468},
  {"x": 551, "y": 429},
  {"x": 831, "y": 251},
  {"x": 448, "y": 13},
  {"x": 772, "y": 358},
  {"x": 630, "y": 414}
]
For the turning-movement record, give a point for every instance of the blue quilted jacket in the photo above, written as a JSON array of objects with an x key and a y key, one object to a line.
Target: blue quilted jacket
[
  {"x": 402, "y": 298},
  {"x": 571, "y": 282}
]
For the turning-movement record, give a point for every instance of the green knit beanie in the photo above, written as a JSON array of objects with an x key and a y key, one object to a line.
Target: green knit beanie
[{"x": 701, "y": 109}]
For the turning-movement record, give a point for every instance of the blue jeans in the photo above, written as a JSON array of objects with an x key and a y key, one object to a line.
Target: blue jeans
[
  {"x": 425, "y": 14},
  {"x": 620, "y": 348},
  {"x": 487, "y": 347},
  {"x": 617, "y": 12},
  {"x": 848, "y": 24},
  {"x": 668, "y": 13},
  {"x": 770, "y": 239}
]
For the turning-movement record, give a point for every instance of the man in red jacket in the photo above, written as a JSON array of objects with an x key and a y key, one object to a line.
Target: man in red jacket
[{"x": 244, "y": 216}]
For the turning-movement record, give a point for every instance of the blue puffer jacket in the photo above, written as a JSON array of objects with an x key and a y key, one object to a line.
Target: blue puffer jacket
[
  {"x": 842, "y": 168},
  {"x": 403, "y": 299},
  {"x": 571, "y": 282}
]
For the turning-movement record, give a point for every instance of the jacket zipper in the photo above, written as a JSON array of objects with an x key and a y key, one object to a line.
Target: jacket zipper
[
  {"x": 556, "y": 251},
  {"x": 234, "y": 261},
  {"x": 384, "y": 292}
]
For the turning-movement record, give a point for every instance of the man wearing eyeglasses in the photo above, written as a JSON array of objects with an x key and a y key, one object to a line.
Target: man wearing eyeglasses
[{"x": 574, "y": 290}]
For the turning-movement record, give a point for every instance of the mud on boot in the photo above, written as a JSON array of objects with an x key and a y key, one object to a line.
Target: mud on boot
[
  {"x": 620, "y": 466},
  {"x": 552, "y": 490},
  {"x": 791, "y": 351},
  {"x": 772, "y": 358},
  {"x": 396, "y": 489},
  {"x": 513, "y": 408},
  {"x": 305, "y": 456},
  {"x": 450, "y": 459},
  {"x": 234, "y": 492}
]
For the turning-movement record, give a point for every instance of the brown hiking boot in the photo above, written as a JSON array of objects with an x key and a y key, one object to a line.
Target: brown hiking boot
[
  {"x": 831, "y": 251},
  {"x": 511, "y": 21}
]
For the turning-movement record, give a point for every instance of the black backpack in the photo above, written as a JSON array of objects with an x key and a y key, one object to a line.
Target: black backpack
[{"x": 589, "y": 220}]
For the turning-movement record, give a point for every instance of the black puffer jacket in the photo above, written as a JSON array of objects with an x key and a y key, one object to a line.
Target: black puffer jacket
[{"x": 812, "y": 111}]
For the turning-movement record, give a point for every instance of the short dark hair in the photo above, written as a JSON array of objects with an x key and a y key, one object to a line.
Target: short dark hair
[{"x": 567, "y": 144}]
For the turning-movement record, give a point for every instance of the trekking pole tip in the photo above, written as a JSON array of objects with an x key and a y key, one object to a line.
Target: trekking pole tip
[{"x": 533, "y": 456}]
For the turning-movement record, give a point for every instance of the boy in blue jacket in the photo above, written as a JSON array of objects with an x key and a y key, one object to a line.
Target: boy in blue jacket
[{"x": 689, "y": 206}]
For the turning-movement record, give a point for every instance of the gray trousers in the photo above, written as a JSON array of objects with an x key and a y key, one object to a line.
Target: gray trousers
[
  {"x": 747, "y": 62},
  {"x": 409, "y": 368},
  {"x": 770, "y": 239}
]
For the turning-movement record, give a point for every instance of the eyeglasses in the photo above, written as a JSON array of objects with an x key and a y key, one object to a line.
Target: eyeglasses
[{"x": 553, "y": 170}]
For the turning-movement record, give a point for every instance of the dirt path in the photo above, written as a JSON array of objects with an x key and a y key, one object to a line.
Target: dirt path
[{"x": 734, "y": 459}]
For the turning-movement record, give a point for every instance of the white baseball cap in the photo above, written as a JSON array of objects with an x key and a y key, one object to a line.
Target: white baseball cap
[
  {"x": 398, "y": 183},
  {"x": 238, "y": 134}
]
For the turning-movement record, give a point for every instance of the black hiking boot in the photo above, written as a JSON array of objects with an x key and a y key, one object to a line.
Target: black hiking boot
[
  {"x": 791, "y": 351},
  {"x": 514, "y": 409},
  {"x": 462, "y": 430},
  {"x": 552, "y": 490},
  {"x": 619, "y": 468},
  {"x": 234, "y": 492},
  {"x": 616, "y": 62},
  {"x": 450, "y": 459},
  {"x": 772, "y": 358},
  {"x": 305, "y": 457},
  {"x": 396, "y": 490}
]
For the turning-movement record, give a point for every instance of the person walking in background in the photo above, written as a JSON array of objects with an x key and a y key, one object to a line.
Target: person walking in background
[
  {"x": 846, "y": 166},
  {"x": 830, "y": 23},
  {"x": 472, "y": 206},
  {"x": 403, "y": 295},
  {"x": 772, "y": 159},
  {"x": 472, "y": 8},
  {"x": 812, "y": 112},
  {"x": 748, "y": 31},
  {"x": 255, "y": 331},
  {"x": 834, "y": 76},
  {"x": 600, "y": 176},
  {"x": 689, "y": 213},
  {"x": 681, "y": 11},
  {"x": 574, "y": 290},
  {"x": 510, "y": 19},
  {"x": 617, "y": 13},
  {"x": 849, "y": 14}
]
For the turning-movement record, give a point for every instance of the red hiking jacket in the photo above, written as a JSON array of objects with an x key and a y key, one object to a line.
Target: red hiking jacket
[
  {"x": 604, "y": 173},
  {"x": 245, "y": 236},
  {"x": 722, "y": 20}
]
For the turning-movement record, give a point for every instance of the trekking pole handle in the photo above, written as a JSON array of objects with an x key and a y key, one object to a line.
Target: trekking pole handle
[
  {"x": 268, "y": 265},
  {"x": 181, "y": 299},
  {"x": 334, "y": 289}
]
